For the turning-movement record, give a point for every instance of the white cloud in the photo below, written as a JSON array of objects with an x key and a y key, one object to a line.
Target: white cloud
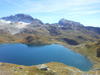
[
  {"x": 53, "y": 6},
  {"x": 82, "y": 13},
  {"x": 50, "y": 5}
]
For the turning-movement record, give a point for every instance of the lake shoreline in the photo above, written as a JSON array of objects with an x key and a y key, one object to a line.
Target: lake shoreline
[{"x": 52, "y": 55}]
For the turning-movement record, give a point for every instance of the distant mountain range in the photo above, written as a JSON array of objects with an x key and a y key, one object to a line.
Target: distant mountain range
[{"x": 66, "y": 29}]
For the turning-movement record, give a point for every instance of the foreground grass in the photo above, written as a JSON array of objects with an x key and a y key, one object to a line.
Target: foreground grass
[{"x": 54, "y": 69}]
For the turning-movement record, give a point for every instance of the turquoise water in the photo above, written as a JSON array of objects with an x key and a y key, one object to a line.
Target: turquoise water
[{"x": 32, "y": 55}]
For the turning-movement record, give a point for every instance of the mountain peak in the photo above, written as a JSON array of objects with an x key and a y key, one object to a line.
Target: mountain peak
[
  {"x": 19, "y": 17},
  {"x": 23, "y": 15},
  {"x": 69, "y": 22},
  {"x": 63, "y": 21}
]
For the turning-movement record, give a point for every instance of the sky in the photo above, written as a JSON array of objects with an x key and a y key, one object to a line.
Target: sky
[{"x": 86, "y": 12}]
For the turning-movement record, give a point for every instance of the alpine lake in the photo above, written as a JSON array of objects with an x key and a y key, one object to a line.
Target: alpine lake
[{"x": 28, "y": 55}]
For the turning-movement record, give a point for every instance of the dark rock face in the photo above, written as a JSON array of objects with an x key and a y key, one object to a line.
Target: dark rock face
[
  {"x": 53, "y": 30},
  {"x": 95, "y": 29},
  {"x": 69, "y": 41},
  {"x": 98, "y": 52},
  {"x": 82, "y": 38},
  {"x": 37, "y": 22},
  {"x": 29, "y": 39}
]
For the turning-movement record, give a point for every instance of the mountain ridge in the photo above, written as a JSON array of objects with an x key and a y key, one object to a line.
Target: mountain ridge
[
  {"x": 65, "y": 30},
  {"x": 19, "y": 17},
  {"x": 29, "y": 19}
]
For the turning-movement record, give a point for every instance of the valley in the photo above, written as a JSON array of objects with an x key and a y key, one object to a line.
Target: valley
[{"x": 21, "y": 28}]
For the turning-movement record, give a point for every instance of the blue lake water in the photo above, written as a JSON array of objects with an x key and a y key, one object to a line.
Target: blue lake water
[{"x": 32, "y": 55}]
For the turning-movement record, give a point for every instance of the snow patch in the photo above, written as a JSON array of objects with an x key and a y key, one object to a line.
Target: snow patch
[
  {"x": 4, "y": 21},
  {"x": 21, "y": 25}
]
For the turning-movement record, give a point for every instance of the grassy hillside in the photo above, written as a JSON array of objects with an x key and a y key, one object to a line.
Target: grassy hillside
[
  {"x": 90, "y": 50},
  {"x": 83, "y": 44}
]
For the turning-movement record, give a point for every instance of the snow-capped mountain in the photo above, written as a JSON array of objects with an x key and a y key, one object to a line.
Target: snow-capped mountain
[{"x": 16, "y": 23}]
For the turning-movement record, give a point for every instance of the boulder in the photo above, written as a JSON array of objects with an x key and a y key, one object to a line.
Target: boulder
[{"x": 43, "y": 67}]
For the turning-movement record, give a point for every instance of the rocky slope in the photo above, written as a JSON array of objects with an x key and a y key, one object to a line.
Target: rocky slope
[
  {"x": 66, "y": 31},
  {"x": 22, "y": 21}
]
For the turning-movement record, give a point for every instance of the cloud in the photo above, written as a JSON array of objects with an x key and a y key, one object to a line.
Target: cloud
[
  {"x": 85, "y": 13},
  {"x": 56, "y": 6},
  {"x": 53, "y": 6},
  {"x": 91, "y": 12}
]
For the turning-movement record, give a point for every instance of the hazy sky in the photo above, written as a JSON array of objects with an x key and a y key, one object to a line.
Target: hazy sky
[{"x": 86, "y": 12}]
